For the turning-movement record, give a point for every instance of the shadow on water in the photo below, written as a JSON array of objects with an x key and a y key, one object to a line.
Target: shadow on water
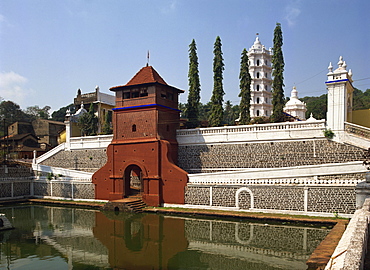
[{"x": 89, "y": 239}]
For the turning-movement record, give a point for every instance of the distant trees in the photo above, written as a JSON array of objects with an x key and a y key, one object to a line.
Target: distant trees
[
  {"x": 36, "y": 112},
  {"x": 107, "y": 127},
  {"x": 217, "y": 99},
  {"x": 60, "y": 114},
  {"x": 88, "y": 122},
  {"x": 245, "y": 89},
  {"x": 277, "y": 73},
  {"x": 192, "y": 107},
  {"x": 10, "y": 112},
  {"x": 231, "y": 113},
  {"x": 317, "y": 106}
]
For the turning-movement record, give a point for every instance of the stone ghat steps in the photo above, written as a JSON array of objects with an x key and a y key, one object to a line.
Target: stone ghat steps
[
  {"x": 267, "y": 155},
  {"x": 132, "y": 204}
]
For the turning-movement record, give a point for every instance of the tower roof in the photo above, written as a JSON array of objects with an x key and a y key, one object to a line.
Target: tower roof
[{"x": 146, "y": 75}]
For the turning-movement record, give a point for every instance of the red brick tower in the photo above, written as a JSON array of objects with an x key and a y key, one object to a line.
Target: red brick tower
[{"x": 143, "y": 151}]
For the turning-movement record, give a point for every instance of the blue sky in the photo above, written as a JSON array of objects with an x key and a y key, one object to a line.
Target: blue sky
[{"x": 51, "y": 48}]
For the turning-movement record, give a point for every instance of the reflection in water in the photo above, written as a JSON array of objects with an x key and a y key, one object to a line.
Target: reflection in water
[{"x": 69, "y": 238}]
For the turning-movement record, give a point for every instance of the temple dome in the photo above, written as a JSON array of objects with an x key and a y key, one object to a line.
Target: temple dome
[{"x": 295, "y": 107}]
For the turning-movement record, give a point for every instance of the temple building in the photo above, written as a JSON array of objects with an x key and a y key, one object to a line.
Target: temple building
[
  {"x": 260, "y": 70},
  {"x": 295, "y": 107}
]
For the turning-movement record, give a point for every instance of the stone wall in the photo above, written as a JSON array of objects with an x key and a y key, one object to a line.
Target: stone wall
[
  {"x": 305, "y": 199},
  {"x": 195, "y": 158},
  {"x": 16, "y": 171},
  {"x": 89, "y": 160}
]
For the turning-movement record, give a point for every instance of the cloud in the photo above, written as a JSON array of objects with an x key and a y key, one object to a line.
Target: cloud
[
  {"x": 170, "y": 7},
  {"x": 12, "y": 87},
  {"x": 292, "y": 12}
]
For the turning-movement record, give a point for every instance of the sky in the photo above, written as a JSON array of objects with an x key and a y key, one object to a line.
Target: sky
[{"x": 51, "y": 48}]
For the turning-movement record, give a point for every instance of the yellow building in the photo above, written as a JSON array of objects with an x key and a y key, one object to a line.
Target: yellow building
[
  {"x": 361, "y": 117},
  {"x": 102, "y": 103}
]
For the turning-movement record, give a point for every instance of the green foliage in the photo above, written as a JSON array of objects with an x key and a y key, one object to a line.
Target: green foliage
[
  {"x": 328, "y": 133},
  {"x": 107, "y": 128},
  {"x": 36, "y": 112},
  {"x": 217, "y": 99},
  {"x": 11, "y": 112},
  {"x": 192, "y": 107},
  {"x": 361, "y": 100},
  {"x": 88, "y": 122},
  {"x": 204, "y": 113},
  {"x": 317, "y": 106},
  {"x": 260, "y": 120},
  {"x": 245, "y": 89},
  {"x": 231, "y": 113},
  {"x": 60, "y": 114},
  {"x": 278, "y": 77}
]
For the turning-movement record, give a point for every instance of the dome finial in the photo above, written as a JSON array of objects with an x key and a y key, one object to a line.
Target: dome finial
[
  {"x": 330, "y": 67},
  {"x": 340, "y": 62}
]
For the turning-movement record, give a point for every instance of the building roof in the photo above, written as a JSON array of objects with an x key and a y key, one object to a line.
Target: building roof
[
  {"x": 146, "y": 75},
  {"x": 17, "y": 137}
]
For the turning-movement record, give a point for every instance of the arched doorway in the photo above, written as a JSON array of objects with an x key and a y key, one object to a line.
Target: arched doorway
[{"x": 133, "y": 179}]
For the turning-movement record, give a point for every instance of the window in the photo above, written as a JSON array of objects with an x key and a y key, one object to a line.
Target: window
[
  {"x": 258, "y": 113},
  {"x": 143, "y": 92},
  {"x": 258, "y": 74},
  {"x": 258, "y": 87},
  {"x": 265, "y": 87},
  {"x": 258, "y": 62},
  {"x": 135, "y": 93},
  {"x": 134, "y": 128},
  {"x": 126, "y": 95},
  {"x": 258, "y": 100}
]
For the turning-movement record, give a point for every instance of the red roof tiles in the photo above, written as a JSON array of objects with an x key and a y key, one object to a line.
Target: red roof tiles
[{"x": 146, "y": 75}]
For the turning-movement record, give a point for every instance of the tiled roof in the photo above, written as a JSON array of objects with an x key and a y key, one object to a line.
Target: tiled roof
[
  {"x": 146, "y": 75},
  {"x": 17, "y": 137}
]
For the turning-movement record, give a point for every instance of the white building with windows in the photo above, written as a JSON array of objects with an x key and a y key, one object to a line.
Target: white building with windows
[
  {"x": 260, "y": 70},
  {"x": 295, "y": 107}
]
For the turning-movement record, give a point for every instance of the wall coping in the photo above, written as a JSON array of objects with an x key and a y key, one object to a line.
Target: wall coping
[
  {"x": 299, "y": 175},
  {"x": 351, "y": 249}
]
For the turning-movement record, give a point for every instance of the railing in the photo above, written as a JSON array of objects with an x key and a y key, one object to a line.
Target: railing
[
  {"x": 313, "y": 181},
  {"x": 301, "y": 175},
  {"x": 357, "y": 130},
  {"x": 101, "y": 141},
  {"x": 253, "y": 128},
  {"x": 50, "y": 153}
]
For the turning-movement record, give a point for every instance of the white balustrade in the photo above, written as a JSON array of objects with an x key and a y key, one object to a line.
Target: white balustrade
[{"x": 286, "y": 130}]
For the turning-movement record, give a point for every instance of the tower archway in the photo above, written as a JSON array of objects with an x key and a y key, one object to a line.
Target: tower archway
[{"x": 133, "y": 180}]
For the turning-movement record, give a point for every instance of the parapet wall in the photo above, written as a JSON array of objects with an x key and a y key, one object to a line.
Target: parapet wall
[
  {"x": 211, "y": 157},
  {"x": 88, "y": 160},
  {"x": 290, "y": 199}
]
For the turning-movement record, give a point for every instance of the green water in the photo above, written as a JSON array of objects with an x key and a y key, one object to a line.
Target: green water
[{"x": 68, "y": 238}]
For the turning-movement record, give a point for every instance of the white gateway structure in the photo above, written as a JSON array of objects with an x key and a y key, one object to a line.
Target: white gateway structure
[{"x": 260, "y": 70}]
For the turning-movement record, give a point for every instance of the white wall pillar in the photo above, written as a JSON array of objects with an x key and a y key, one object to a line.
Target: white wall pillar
[{"x": 340, "y": 89}]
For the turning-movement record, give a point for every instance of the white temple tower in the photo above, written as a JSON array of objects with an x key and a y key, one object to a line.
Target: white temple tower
[
  {"x": 340, "y": 90},
  {"x": 295, "y": 107},
  {"x": 260, "y": 71}
]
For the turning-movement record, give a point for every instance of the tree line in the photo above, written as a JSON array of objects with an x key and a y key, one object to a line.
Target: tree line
[{"x": 216, "y": 113}]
